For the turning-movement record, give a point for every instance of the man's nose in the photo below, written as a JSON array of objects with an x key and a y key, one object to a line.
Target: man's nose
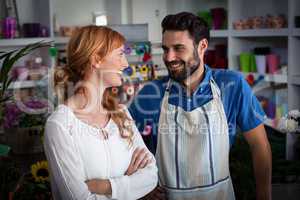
[{"x": 170, "y": 56}]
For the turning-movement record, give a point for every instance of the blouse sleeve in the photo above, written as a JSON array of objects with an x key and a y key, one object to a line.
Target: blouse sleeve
[
  {"x": 66, "y": 169},
  {"x": 139, "y": 183}
]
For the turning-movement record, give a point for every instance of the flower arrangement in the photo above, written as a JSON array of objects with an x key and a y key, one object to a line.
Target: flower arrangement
[
  {"x": 290, "y": 123},
  {"x": 34, "y": 185},
  {"x": 30, "y": 113}
]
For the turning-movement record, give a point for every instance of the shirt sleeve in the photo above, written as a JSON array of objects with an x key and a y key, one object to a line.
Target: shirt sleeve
[
  {"x": 139, "y": 183},
  {"x": 66, "y": 169},
  {"x": 250, "y": 113}
]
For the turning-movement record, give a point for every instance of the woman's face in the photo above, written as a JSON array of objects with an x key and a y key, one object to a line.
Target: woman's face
[{"x": 112, "y": 66}]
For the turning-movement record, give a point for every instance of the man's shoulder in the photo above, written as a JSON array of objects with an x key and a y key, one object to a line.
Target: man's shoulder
[
  {"x": 225, "y": 75},
  {"x": 228, "y": 78}
]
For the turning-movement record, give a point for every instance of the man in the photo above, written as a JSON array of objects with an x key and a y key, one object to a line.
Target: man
[{"x": 197, "y": 112}]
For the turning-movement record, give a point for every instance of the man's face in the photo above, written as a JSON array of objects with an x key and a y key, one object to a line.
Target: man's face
[{"x": 180, "y": 55}]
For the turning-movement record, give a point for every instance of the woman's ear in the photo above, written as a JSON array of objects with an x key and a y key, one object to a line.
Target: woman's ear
[{"x": 96, "y": 62}]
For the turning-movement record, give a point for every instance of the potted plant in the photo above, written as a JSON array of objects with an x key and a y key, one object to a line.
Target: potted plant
[
  {"x": 8, "y": 59},
  {"x": 35, "y": 184},
  {"x": 23, "y": 124},
  {"x": 9, "y": 172}
]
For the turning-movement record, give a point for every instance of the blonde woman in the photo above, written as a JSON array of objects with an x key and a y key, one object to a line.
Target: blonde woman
[{"x": 93, "y": 148}]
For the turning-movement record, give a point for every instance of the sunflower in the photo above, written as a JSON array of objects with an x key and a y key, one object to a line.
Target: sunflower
[{"x": 40, "y": 171}]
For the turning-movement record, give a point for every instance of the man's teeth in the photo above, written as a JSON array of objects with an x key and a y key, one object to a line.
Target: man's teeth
[{"x": 176, "y": 65}]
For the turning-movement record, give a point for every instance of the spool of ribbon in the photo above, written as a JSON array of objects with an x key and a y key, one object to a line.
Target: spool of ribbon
[
  {"x": 133, "y": 71},
  {"x": 129, "y": 90},
  {"x": 115, "y": 90},
  {"x": 127, "y": 49},
  {"x": 147, "y": 130}
]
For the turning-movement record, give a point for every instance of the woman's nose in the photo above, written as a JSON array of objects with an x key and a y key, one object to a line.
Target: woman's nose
[{"x": 125, "y": 64}]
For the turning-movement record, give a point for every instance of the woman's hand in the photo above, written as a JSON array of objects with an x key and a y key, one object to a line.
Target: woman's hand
[
  {"x": 99, "y": 186},
  {"x": 140, "y": 159}
]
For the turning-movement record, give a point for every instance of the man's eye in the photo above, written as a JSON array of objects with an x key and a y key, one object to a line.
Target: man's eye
[{"x": 179, "y": 48}]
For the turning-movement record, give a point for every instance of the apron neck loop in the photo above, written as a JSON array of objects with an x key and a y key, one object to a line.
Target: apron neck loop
[{"x": 214, "y": 87}]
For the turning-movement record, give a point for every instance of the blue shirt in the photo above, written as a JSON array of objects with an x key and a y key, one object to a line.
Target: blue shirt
[{"x": 241, "y": 107}]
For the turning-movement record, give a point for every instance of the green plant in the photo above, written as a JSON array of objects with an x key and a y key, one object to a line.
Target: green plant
[
  {"x": 9, "y": 173},
  {"x": 34, "y": 185},
  {"x": 8, "y": 60}
]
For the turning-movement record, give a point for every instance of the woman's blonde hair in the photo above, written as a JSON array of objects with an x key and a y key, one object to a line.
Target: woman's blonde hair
[{"x": 86, "y": 43}]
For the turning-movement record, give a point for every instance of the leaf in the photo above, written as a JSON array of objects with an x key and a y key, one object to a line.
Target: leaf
[
  {"x": 2, "y": 100},
  {"x": 9, "y": 59},
  {"x": 5, "y": 66},
  {"x": 29, "y": 48},
  {"x": 6, "y": 53},
  {"x": 42, "y": 186}
]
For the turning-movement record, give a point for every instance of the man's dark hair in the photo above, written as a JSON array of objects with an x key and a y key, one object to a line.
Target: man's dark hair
[{"x": 185, "y": 21}]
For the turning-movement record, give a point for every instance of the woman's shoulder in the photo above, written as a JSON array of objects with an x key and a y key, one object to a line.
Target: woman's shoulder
[{"x": 62, "y": 116}]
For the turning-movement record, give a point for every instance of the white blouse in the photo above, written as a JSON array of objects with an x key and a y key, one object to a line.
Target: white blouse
[{"x": 77, "y": 152}]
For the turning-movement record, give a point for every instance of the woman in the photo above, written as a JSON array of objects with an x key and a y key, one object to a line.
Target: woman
[{"x": 93, "y": 148}]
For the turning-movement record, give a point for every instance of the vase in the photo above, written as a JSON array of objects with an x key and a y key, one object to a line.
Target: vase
[
  {"x": 245, "y": 59},
  {"x": 218, "y": 18},
  {"x": 260, "y": 63},
  {"x": 273, "y": 63}
]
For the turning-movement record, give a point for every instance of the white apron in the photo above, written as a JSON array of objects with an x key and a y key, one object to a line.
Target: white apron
[{"x": 193, "y": 151}]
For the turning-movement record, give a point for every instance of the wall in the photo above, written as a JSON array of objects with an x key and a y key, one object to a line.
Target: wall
[
  {"x": 113, "y": 11},
  {"x": 77, "y": 12},
  {"x": 151, "y": 12},
  {"x": 175, "y": 6}
]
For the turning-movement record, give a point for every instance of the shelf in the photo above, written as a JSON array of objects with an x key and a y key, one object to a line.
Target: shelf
[
  {"x": 61, "y": 40},
  {"x": 22, "y": 41},
  {"x": 296, "y": 32},
  {"x": 219, "y": 33},
  {"x": 260, "y": 32},
  {"x": 261, "y": 87},
  {"x": 27, "y": 84},
  {"x": 155, "y": 51},
  {"x": 275, "y": 78}
]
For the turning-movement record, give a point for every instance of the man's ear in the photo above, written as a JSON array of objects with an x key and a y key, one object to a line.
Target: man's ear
[{"x": 203, "y": 45}]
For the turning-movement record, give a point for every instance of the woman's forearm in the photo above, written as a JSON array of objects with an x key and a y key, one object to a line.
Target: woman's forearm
[{"x": 100, "y": 186}]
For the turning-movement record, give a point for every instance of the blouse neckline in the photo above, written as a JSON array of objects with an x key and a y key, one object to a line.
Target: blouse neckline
[{"x": 83, "y": 122}]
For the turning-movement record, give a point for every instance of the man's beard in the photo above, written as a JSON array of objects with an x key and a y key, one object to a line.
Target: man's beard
[{"x": 185, "y": 70}]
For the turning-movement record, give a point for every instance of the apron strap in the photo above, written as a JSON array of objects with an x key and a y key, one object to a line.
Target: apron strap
[{"x": 215, "y": 89}]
